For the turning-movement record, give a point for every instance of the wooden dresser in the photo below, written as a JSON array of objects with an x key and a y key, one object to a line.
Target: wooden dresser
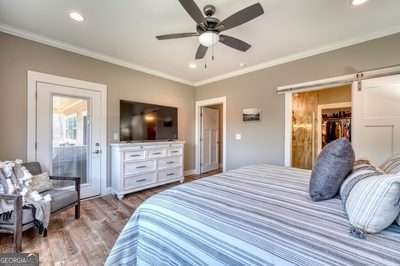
[{"x": 138, "y": 166}]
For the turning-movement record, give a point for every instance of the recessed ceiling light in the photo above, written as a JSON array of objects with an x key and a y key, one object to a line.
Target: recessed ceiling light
[
  {"x": 192, "y": 65},
  {"x": 76, "y": 16},
  {"x": 242, "y": 64},
  {"x": 358, "y": 2}
]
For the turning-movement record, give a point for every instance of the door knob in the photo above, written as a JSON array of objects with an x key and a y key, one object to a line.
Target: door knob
[{"x": 97, "y": 149}]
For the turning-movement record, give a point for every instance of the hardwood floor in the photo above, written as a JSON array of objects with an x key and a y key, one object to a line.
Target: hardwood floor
[{"x": 86, "y": 241}]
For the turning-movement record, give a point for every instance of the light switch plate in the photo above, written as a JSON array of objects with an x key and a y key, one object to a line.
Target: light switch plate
[
  {"x": 116, "y": 136},
  {"x": 238, "y": 136}
]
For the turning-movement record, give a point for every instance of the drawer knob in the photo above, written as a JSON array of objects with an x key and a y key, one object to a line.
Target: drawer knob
[
  {"x": 174, "y": 151},
  {"x": 141, "y": 167},
  {"x": 170, "y": 162},
  {"x": 170, "y": 174},
  {"x": 156, "y": 153},
  {"x": 135, "y": 155},
  {"x": 141, "y": 180}
]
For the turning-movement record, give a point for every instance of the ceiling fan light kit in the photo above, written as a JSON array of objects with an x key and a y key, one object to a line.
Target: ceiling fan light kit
[
  {"x": 209, "y": 28},
  {"x": 209, "y": 38}
]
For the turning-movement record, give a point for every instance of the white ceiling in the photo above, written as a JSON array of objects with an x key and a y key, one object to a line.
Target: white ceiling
[{"x": 124, "y": 31}]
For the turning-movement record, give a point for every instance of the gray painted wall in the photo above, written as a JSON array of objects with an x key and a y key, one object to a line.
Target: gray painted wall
[
  {"x": 264, "y": 141},
  {"x": 261, "y": 141},
  {"x": 17, "y": 56}
]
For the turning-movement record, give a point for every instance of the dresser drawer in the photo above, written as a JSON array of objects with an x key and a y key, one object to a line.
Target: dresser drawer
[
  {"x": 169, "y": 174},
  {"x": 140, "y": 180},
  {"x": 157, "y": 153},
  {"x": 135, "y": 155},
  {"x": 133, "y": 168},
  {"x": 175, "y": 151},
  {"x": 170, "y": 162}
]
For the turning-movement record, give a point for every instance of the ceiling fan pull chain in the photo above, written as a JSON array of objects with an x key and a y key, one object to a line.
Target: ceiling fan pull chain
[{"x": 212, "y": 53}]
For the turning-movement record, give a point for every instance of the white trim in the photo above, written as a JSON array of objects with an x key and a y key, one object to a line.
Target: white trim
[
  {"x": 78, "y": 50},
  {"x": 35, "y": 77},
  {"x": 282, "y": 60},
  {"x": 189, "y": 172},
  {"x": 319, "y": 120},
  {"x": 288, "y": 129},
  {"x": 199, "y": 104}
]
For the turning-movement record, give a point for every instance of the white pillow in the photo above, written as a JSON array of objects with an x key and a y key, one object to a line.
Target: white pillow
[
  {"x": 41, "y": 183},
  {"x": 373, "y": 203}
]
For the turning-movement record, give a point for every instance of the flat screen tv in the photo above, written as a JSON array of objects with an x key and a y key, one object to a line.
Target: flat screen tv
[{"x": 143, "y": 121}]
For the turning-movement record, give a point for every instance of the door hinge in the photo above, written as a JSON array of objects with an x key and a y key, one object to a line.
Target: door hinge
[
  {"x": 36, "y": 145},
  {"x": 359, "y": 77}
]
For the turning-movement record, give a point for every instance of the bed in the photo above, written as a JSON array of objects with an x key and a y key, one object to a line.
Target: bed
[{"x": 255, "y": 215}]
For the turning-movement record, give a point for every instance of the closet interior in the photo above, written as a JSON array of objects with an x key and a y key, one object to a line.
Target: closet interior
[{"x": 319, "y": 117}]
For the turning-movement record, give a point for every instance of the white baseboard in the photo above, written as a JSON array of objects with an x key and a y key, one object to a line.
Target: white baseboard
[
  {"x": 190, "y": 172},
  {"x": 107, "y": 191}
]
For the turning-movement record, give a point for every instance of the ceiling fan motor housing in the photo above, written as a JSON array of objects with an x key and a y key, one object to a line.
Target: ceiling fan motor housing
[{"x": 209, "y": 10}]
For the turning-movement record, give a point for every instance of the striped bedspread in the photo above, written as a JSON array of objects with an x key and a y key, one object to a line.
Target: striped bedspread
[{"x": 256, "y": 215}]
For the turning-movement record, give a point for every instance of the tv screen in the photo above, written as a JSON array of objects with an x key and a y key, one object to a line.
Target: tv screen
[{"x": 142, "y": 121}]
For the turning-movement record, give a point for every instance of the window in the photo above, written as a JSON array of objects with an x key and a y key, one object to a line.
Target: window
[{"x": 71, "y": 127}]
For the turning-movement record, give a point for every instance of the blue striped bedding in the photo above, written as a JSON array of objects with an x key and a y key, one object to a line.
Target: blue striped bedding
[{"x": 256, "y": 215}]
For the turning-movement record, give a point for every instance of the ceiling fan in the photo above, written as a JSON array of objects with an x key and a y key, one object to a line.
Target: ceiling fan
[{"x": 209, "y": 28}]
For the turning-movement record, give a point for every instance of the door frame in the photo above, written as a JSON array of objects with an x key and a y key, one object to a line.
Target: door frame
[
  {"x": 289, "y": 118},
  {"x": 204, "y": 103},
  {"x": 36, "y": 77}
]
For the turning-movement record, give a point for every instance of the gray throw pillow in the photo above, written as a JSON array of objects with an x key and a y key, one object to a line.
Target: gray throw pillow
[{"x": 333, "y": 165}]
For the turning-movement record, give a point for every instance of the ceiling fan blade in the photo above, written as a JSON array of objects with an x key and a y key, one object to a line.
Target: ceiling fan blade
[
  {"x": 193, "y": 10},
  {"x": 234, "y": 43},
  {"x": 177, "y": 35},
  {"x": 242, "y": 16},
  {"x": 201, "y": 52}
]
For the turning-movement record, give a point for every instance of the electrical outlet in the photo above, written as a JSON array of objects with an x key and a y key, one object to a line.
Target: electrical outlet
[{"x": 238, "y": 136}]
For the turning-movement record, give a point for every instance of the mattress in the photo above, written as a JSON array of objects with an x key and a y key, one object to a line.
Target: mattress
[{"x": 255, "y": 215}]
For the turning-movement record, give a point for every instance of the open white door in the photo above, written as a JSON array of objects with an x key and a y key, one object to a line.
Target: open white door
[
  {"x": 69, "y": 134},
  {"x": 209, "y": 139},
  {"x": 376, "y": 118}
]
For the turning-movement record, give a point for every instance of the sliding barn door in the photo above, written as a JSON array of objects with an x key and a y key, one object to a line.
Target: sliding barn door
[{"x": 376, "y": 118}]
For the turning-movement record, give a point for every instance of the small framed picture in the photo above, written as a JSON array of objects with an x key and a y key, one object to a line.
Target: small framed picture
[{"x": 251, "y": 114}]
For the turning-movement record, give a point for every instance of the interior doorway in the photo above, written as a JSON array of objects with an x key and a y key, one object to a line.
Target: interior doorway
[
  {"x": 318, "y": 118},
  {"x": 211, "y": 136}
]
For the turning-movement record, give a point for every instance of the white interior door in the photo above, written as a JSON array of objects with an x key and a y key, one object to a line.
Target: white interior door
[
  {"x": 68, "y": 134},
  {"x": 209, "y": 139},
  {"x": 376, "y": 118}
]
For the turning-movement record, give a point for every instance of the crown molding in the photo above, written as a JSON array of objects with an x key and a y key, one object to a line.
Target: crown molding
[
  {"x": 78, "y": 50},
  {"x": 282, "y": 60},
  {"x": 302, "y": 55}
]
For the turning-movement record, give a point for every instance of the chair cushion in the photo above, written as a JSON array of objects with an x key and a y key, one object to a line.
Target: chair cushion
[
  {"x": 334, "y": 163},
  {"x": 27, "y": 217},
  {"x": 61, "y": 198}
]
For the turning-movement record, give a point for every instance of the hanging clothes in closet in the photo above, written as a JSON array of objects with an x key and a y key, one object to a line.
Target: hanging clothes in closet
[{"x": 335, "y": 126}]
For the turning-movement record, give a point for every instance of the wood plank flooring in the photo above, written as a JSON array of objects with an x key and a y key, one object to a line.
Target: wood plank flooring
[{"x": 86, "y": 241}]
